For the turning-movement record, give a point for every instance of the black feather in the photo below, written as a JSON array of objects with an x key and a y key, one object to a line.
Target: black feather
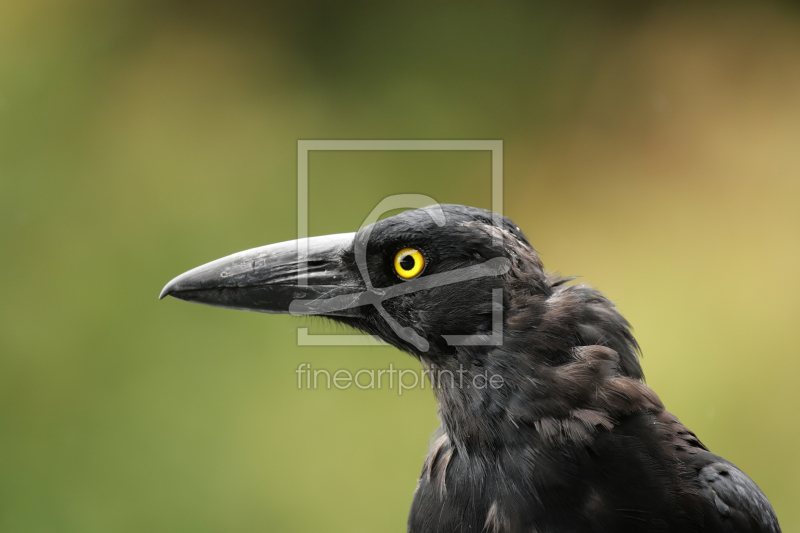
[{"x": 573, "y": 440}]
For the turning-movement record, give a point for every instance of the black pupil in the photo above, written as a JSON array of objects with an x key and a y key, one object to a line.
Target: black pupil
[{"x": 407, "y": 263}]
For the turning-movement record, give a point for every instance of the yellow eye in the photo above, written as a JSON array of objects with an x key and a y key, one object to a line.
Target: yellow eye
[{"x": 408, "y": 263}]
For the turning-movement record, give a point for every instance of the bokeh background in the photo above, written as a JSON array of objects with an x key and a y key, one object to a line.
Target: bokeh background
[{"x": 652, "y": 149}]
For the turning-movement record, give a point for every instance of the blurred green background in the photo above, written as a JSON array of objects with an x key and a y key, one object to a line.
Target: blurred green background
[{"x": 652, "y": 149}]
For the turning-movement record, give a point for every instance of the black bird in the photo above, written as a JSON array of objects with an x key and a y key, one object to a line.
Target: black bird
[{"x": 547, "y": 425}]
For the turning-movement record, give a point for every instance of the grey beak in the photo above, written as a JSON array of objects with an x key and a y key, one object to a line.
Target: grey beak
[{"x": 267, "y": 279}]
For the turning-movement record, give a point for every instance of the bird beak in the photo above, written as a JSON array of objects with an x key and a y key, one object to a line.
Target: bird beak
[{"x": 267, "y": 279}]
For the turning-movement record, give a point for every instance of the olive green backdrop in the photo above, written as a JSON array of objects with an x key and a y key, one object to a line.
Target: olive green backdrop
[{"x": 653, "y": 150}]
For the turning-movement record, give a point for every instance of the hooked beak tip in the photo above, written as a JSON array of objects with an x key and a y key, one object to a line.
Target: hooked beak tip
[{"x": 166, "y": 291}]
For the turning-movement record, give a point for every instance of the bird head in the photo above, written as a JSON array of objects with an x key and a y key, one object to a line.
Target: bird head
[{"x": 436, "y": 282}]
